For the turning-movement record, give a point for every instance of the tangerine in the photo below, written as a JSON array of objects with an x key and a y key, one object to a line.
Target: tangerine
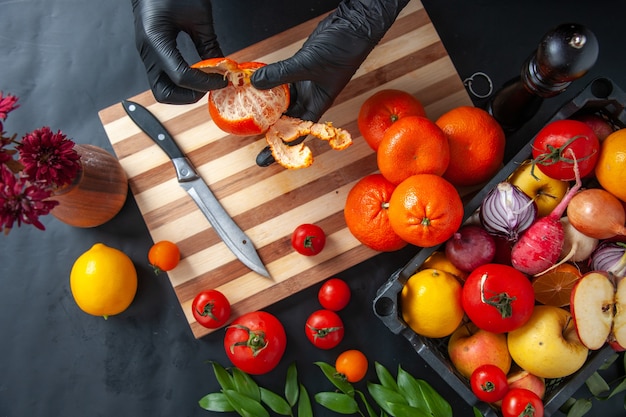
[
  {"x": 239, "y": 108},
  {"x": 439, "y": 260},
  {"x": 610, "y": 168},
  {"x": 425, "y": 210},
  {"x": 103, "y": 281},
  {"x": 366, "y": 215},
  {"x": 555, "y": 286},
  {"x": 382, "y": 109},
  {"x": 477, "y": 143},
  {"x": 413, "y": 145}
]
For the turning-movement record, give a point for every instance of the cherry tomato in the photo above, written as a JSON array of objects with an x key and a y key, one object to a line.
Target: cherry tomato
[
  {"x": 308, "y": 239},
  {"x": 498, "y": 298},
  {"x": 163, "y": 256},
  {"x": 334, "y": 294},
  {"x": 211, "y": 308},
  {"x": 255, "y": 342},
  {"x": 489, "y": 383},
  {"x": 351, "y": 365},
  {"x": 521, "y": 402},
  {"x": 552, "y": 144},
  {"x": 324, "y": 328}
]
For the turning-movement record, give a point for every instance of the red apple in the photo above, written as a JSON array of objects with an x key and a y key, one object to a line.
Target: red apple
[
  {"x": 523, "y": 379},
  {"x": 469, "y": 347},
  {"x": 598, "y": 307},
  {"x": 598, "y": 124}
]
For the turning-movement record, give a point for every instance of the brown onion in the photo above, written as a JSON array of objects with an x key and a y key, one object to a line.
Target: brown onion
[{"x": 597, "y": 213}]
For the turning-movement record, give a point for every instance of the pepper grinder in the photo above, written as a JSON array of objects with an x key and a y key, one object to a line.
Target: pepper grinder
[{"x": 565, "y": 54}]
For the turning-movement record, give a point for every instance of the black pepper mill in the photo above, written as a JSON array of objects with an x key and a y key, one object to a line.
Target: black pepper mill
[{"x": 564, "y": 54}]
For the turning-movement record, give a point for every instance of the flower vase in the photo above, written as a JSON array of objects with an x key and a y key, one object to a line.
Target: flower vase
[{"x": 97, "y": 194}]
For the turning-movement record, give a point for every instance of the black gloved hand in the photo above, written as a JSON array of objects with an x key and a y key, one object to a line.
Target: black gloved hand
[
  {"x": 331, "y": 55},
  {"x": 157, "y": 25}
]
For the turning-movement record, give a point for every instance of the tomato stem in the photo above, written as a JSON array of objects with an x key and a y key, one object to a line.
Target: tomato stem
[
  {"x": 502, "y": 301},
  {"x": 256, "y": 340},
  {"x": 207, "y": 311},
  {"x": 555, "y": 155},
  {"x": 325, "y": 331}
]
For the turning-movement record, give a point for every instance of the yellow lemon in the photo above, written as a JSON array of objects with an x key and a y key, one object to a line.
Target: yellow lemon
[
  {"x": 431, "y": 303},
  {"x": 103, "y": 281},
  {"x": 611, "y": 166}
]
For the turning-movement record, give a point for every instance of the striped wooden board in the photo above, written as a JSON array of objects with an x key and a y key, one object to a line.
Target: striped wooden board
[{"x": 268, "y": 203}]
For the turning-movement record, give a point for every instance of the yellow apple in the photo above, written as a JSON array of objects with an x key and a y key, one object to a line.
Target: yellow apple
[
  {"x": 547, "y": 345},
  {"x": 469, "y": 347},
  {"x": 547, "y": 192}
]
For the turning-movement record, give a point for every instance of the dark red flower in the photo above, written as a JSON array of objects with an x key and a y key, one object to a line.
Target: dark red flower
[
  {"x": 49, "y": 158},
  {"x": 7, "y": 104},
  {"x": 21, "y": 201}
]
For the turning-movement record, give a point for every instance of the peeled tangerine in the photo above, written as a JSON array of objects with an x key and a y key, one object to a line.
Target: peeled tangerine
[
  {"x": 241, "y": 109},
  {"x": 547, "y": 345},
  {"x": 103, "y": 281}
]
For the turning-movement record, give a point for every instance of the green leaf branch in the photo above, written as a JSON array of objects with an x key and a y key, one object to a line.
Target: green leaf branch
[
  {"x": 400, "y": 396},
  {"x": 600, "y": 390}
]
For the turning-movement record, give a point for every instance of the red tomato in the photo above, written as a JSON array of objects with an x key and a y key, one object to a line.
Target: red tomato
[
  {"x": 552, "y": 144},
  {"x": 334, "y": 294},
  {"x": 489, "y": 383},
  {"x": 211, "y": 309},
  {"x": 324, "y": 328},
  {"x": 521, "y": 402},
  {"x": 255, "y": 342},
  {"x": 308, "y": 239},
  {"x": 498, "y": 298}
]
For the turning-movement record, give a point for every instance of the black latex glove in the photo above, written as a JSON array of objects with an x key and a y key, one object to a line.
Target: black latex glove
[
  {"x": 157, "y": 25},
  {"x": 331, "y": 55}
]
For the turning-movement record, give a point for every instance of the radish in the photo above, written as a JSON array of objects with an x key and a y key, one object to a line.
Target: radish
[{"x": 540, "y": 246}]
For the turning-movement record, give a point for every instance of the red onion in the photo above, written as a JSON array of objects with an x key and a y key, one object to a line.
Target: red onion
[
  {"x": 610, "y": 256},
  {"x": 507, "y": 211}
]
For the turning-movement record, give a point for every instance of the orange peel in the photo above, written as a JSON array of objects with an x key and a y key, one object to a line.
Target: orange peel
[{"x": 287, "y": 129}]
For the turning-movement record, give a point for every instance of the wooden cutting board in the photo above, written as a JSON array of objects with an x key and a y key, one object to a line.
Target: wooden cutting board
[{"x": 268, "y": 203}]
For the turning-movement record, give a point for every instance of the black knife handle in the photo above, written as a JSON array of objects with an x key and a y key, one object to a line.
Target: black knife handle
[{"x": 153, "y": 128}]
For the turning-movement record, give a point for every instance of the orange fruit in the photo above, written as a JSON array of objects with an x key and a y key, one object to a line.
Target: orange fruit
[
  {"x": 366, "y": 214},
  {"x": 611, "y": 166},
  {"x": 477, "y": 144},
  {"x": 382, "y": 109},
  {"x": 555, "y": 286},
  {"x": 438, "y": 260},
  {"x": 103, "y": 281},
  {"x": 425, "y": 210},
  {"x": 164, "y": 256},
  {"x": 239, "y": 108},
  {"x": 351, "y": 365},
  {"x": 413, "y": 145}
]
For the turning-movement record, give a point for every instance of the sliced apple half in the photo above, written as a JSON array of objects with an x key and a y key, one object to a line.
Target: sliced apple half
[{"x": 598, "y": 309}]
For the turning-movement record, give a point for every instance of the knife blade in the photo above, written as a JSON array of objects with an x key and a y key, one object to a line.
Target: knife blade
[{"x": 188, "y": 178}]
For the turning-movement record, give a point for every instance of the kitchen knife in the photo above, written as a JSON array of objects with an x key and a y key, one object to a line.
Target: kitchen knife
[{"x": 232, "y": 235}]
